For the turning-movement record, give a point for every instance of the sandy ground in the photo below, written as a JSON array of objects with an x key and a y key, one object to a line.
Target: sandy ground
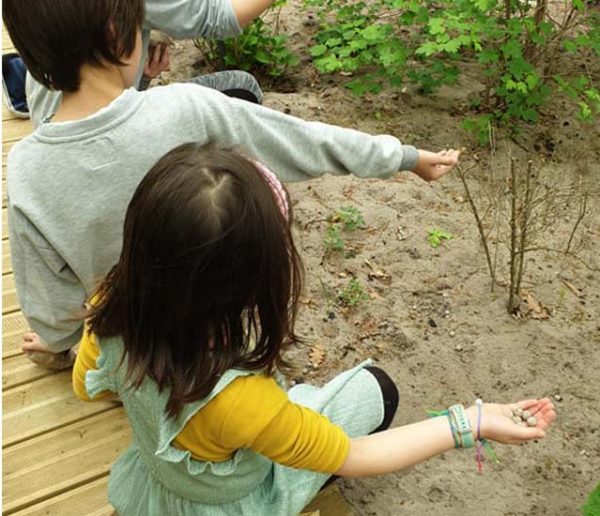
[{"x": 431, "y": 320}]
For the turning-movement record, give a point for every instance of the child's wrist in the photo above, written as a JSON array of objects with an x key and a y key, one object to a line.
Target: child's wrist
[{"x": 478, "y": 427}]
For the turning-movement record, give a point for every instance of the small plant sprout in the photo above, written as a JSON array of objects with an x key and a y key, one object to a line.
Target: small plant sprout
[
  {"x": 353, "y": 294},
  {"x": 333, "y": 240},
  {"x": 349, "y": 217},
  {"x": 436, "y": 236}
]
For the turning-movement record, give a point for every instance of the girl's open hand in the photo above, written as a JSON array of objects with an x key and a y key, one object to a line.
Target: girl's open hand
[
  {"x": 433, "y": 165},
  {"x": 497, "y": 424}
]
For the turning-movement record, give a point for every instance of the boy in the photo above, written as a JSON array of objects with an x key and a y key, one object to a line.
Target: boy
[
  {"x": 180, "y": 19},
  {"x": 69, "y": 183}
]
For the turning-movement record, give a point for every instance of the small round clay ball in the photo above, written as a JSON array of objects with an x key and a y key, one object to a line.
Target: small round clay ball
[
  {"x": 526, "y": 415},
  {"x": 516, "y": 420},
  {"x": 518, "y": 412},
  {"x": 531, "y": 421}
]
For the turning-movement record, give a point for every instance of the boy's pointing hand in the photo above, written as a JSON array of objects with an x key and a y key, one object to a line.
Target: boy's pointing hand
[{"x": 433, "y": 165}]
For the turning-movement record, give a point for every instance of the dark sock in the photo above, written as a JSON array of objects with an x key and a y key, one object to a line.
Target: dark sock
[{"x": 239, "y": 93}]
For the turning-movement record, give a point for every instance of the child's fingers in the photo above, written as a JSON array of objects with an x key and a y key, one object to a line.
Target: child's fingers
[
  {"x": 447, "y": 157},
  {"x": 526, "y": 404},
  {"x": 157, "y": 56},
  {"x": 165, "y": 60},
  {"x": 527, "y": 433}
]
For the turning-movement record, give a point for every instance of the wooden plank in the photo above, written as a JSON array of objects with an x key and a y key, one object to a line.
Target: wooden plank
[
  {"x": 19, "y": 369},
  {"x": 4, "y": 223},
  {"x": 10, "y": 303},
  {"x": 13, "y": 327},
  {"x": 4, "y": 200},
  {"x": 6, "y": 114},
  {"x": 330, "y": 502},
  {"x": 16, "y": 129},
  {"x": 56, "y": 462},
  {"x": 42, "y": 406},
  {"x": 6, "y": 259},
  {"x": 90, "y": 499}
]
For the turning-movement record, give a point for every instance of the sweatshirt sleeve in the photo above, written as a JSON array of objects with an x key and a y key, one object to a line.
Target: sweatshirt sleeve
[
  {"x": 294, "y": 149},
  {"x": 192, "y": 18},
  {"x": 49, "y": 293}
]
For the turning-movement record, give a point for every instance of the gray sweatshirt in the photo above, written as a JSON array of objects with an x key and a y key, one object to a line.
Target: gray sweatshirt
[
  {"x": 179, "y": 18},
  {"x": 69, "y": 183}
]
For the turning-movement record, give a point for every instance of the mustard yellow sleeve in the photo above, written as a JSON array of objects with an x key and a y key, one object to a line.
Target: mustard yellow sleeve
[
  {"x": 254, "y": 412},
  {"x": 86, "y": 361}
]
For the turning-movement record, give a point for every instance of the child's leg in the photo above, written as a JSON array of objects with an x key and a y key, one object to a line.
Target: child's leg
[
  {"x": 234, "y": 83},
  {"x": 391, "y": 398},
  {"x": 390, "y": 395}
]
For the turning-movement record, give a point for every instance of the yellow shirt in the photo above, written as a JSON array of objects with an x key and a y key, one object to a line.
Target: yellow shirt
[{"x": 251, "y": 412}]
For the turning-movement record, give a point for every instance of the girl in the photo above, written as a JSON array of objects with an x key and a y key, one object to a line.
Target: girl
[{"x": 189, "y": 330}]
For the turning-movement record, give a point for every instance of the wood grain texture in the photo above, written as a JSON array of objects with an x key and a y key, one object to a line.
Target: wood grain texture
[
  {"x": 13, "y": 327},
  {"x": 42, "y": 406},
  {"x": 56, "y": 462}
]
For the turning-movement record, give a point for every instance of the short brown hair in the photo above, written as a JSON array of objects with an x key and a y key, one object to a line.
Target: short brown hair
[
  {"x": 208, "y": 278},
  {"x": 57, "y": 37}
]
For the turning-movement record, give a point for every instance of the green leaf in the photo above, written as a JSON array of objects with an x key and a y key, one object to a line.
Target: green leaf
[
  {"x": 333, "y": 42},
  {"x": 511, "y": 48},
  {"x": 328, "y": 64},
  {"x": 436, "y": 236},
  {"x": 374, "y": 33},
  {"x": 436, "y": 26},
  {"x": 357, "y": 87},
  {"x": 427, "y": 49},
  {"x": 569, "y": 45},
  {"x": 592, "y": 506},
  {"x": 262, "y": 57},
  {"x": 529, "y": 115},
  {"x": 585, "y": 112},
  {"x": 488, "y": 56},
  {"x": 532, "y": 81},
  {"x": 318, "y": 50}
]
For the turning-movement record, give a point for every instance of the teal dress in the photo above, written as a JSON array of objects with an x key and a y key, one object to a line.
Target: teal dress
[{"x": 153, "y": 478}]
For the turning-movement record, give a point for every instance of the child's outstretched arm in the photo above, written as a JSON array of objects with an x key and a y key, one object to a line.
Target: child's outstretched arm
[
  {"x": 202, "y": 18},
  {"x": 296, "y": 149},
  {"x": 405, "y": 446}
]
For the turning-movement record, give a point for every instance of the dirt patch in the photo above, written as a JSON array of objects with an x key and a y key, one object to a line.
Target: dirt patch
[{"x": 431, "y": 320}]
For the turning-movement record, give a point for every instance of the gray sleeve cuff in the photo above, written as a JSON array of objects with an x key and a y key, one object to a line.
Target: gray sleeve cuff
[
  {"x": 57, "y": 346},
  {"x": 410, "y": 158}
]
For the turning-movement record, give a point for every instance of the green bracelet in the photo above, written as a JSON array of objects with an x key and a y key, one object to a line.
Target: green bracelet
[
  {"x": 463, "y": 426},
  {"x": 453, "y": 430}
]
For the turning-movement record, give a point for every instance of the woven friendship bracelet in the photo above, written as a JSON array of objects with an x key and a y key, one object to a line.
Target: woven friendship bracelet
[{"x": 463, "y": 426}]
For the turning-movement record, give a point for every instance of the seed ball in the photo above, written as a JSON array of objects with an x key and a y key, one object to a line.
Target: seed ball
[
  {"x": 526, "y": 415},
  {"x": 518, "y": 412},
  {"x": 516, "y": 420},
  {"x": 558, "y": 397},
  {"x": 531, "y": 421}
]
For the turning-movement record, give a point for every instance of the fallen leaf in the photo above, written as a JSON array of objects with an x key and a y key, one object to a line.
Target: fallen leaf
[
  {"x": 537, "y": 311},
  {"x": 316, "y": 356}
]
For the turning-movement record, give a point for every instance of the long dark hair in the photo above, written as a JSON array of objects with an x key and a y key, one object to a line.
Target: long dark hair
[{"x": 208, "y": 278}]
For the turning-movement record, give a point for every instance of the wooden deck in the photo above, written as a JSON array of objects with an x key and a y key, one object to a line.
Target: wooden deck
[{"x": 57, "y": 450}]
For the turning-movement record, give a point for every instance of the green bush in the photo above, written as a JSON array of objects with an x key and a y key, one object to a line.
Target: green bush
[
  {"x": 592, "y": 506},
  {"x": 260, "y": 47},
  {"x": 393, "y": 42}
]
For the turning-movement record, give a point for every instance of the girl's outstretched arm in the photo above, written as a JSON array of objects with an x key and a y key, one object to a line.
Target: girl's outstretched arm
[{"x": 405, "y": 446}]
